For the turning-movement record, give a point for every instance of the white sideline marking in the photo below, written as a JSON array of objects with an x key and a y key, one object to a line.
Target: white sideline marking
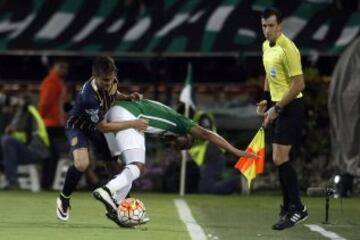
[
  {"x": 194, "y": 229},
  {"x": 322, "y": 231}
]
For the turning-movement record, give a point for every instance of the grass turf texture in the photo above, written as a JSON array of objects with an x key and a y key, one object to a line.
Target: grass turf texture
[{"x": 31, "y": 216}]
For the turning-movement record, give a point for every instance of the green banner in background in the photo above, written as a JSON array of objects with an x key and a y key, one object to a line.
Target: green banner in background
[{"x": 175, "y": 27}]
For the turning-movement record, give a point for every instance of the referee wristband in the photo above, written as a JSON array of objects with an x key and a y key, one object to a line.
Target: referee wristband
[{"x": 266, "y": 96}]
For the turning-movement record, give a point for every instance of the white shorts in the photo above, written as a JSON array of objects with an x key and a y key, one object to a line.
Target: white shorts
[
  {"x": 125, "y": 139},
  {"x": 133, "y": 155}
]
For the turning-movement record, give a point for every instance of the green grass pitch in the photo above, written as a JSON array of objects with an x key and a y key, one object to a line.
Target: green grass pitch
[{"x": 31, "y": 216}]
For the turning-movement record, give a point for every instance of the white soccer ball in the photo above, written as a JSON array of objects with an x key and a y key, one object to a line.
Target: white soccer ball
[{"x": 131, "y": 211}]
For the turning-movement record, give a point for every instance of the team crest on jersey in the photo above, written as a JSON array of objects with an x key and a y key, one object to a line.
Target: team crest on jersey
[
  {"x": 74, "y": 141},
  {"x": 273, "y": 72},
  {"x": 94, "y": 114}
]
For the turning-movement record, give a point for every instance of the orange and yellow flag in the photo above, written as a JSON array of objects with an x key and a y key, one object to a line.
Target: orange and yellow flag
[{"x": 250, "y": 167}]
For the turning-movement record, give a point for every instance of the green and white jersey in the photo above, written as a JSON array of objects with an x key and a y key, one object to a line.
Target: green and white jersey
[{"x": 162, "y": 119}]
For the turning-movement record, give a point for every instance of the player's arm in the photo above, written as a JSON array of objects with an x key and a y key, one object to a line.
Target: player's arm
[
  {"x": 202, "y": 133},
  {"x": 92, "y": 109},
  {"x": 132, "y": 96},
  {"x": 104, "y": 126},
  {"x": 297, "y": 85}
]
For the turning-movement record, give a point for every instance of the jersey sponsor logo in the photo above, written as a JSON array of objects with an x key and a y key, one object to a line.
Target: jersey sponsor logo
[
  {"x": 74, "y": 141},
  {"x": 273, "y": 71},
  {"x": 94, "y": 114}
]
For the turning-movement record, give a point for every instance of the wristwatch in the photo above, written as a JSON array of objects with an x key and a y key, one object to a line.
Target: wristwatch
[{"x": 278, "y": 109}]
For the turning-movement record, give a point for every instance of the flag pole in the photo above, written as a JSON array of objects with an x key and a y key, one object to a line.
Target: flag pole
[
  {"x": 183, "y": 160},
  {"x": 185, "y": 97}
]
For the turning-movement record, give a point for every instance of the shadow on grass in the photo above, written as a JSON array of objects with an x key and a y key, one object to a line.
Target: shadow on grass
[
  {"x": 57, "y": 225},
  {"x": 86, "y": 226}
]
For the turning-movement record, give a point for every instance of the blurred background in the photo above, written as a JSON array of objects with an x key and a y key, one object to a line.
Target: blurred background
[{"x": 154, "y": 43}]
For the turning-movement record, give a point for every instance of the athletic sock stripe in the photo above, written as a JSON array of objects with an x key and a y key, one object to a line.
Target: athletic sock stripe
[{"x": 66, "y": 197}]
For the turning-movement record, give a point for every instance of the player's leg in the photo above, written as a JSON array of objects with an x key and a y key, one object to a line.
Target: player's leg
[
  {"x": 101, "y": 151},
  {"x": 122, "y": 193},
  {"x": 132, "y": 156},
  {"x": 80, "y": 151},
  {"x": 121, "y": 184},
  {"x": 131, "y": 144}
]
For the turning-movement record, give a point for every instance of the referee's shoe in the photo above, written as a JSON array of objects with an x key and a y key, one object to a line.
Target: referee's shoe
[{"x": 293, "y": 217}]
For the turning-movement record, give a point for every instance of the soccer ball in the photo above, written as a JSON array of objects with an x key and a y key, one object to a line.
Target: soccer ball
[{"x": 131, "y": 211}]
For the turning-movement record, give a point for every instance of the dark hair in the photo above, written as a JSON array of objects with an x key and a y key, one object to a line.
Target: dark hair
[
  {"x": 59, "y": 60},
  {"x": 103, "y": 65},
  {"x": 268, "y": 12}
]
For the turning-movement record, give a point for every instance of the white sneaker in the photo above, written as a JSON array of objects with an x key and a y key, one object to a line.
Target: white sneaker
[
  {"x": 62, "y": 210},
  {"x": 104, "y": 196},
  {"x": 144, "y": 220}
]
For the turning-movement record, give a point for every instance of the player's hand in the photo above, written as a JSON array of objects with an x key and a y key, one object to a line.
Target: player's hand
[
  {"x": 136, "y": 96},
  {"x": 141, "y": 124},
  {"x": 271, "y": 114},
  {"x": 261, "y": 107},
  {"x": 250, "y": 155}
]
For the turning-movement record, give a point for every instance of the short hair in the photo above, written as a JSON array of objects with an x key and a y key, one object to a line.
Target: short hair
[
  {"x": 59, "y": 60},
  {"x": 103, "y": 65},
  {"x": 268, "y": 12}
]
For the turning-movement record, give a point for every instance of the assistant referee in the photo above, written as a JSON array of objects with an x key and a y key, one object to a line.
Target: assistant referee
[{"x": 283, "y": 105}]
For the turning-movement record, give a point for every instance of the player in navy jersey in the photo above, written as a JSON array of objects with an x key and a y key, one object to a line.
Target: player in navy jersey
[{"x": 86, "y": 125}]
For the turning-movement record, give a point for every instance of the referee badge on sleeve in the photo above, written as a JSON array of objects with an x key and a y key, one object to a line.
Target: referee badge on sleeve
[{"x": 273, "y": 72}]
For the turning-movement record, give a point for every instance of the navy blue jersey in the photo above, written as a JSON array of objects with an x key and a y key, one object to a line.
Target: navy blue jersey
[{"x": 90, "y": 107}]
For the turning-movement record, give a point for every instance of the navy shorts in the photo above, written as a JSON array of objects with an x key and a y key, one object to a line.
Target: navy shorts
[
  {"x": 287, "y": 127},
  {"x": 93, "y": 140}
]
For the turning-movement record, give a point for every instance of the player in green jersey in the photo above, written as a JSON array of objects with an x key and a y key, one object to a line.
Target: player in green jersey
[{"x": 130, "y": 143}]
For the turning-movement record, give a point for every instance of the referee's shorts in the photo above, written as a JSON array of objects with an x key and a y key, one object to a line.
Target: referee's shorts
[{"x": 287, "y": 127}]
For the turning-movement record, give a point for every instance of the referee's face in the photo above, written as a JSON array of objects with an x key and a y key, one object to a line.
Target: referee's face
[{"x": 271, "y": 28}]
